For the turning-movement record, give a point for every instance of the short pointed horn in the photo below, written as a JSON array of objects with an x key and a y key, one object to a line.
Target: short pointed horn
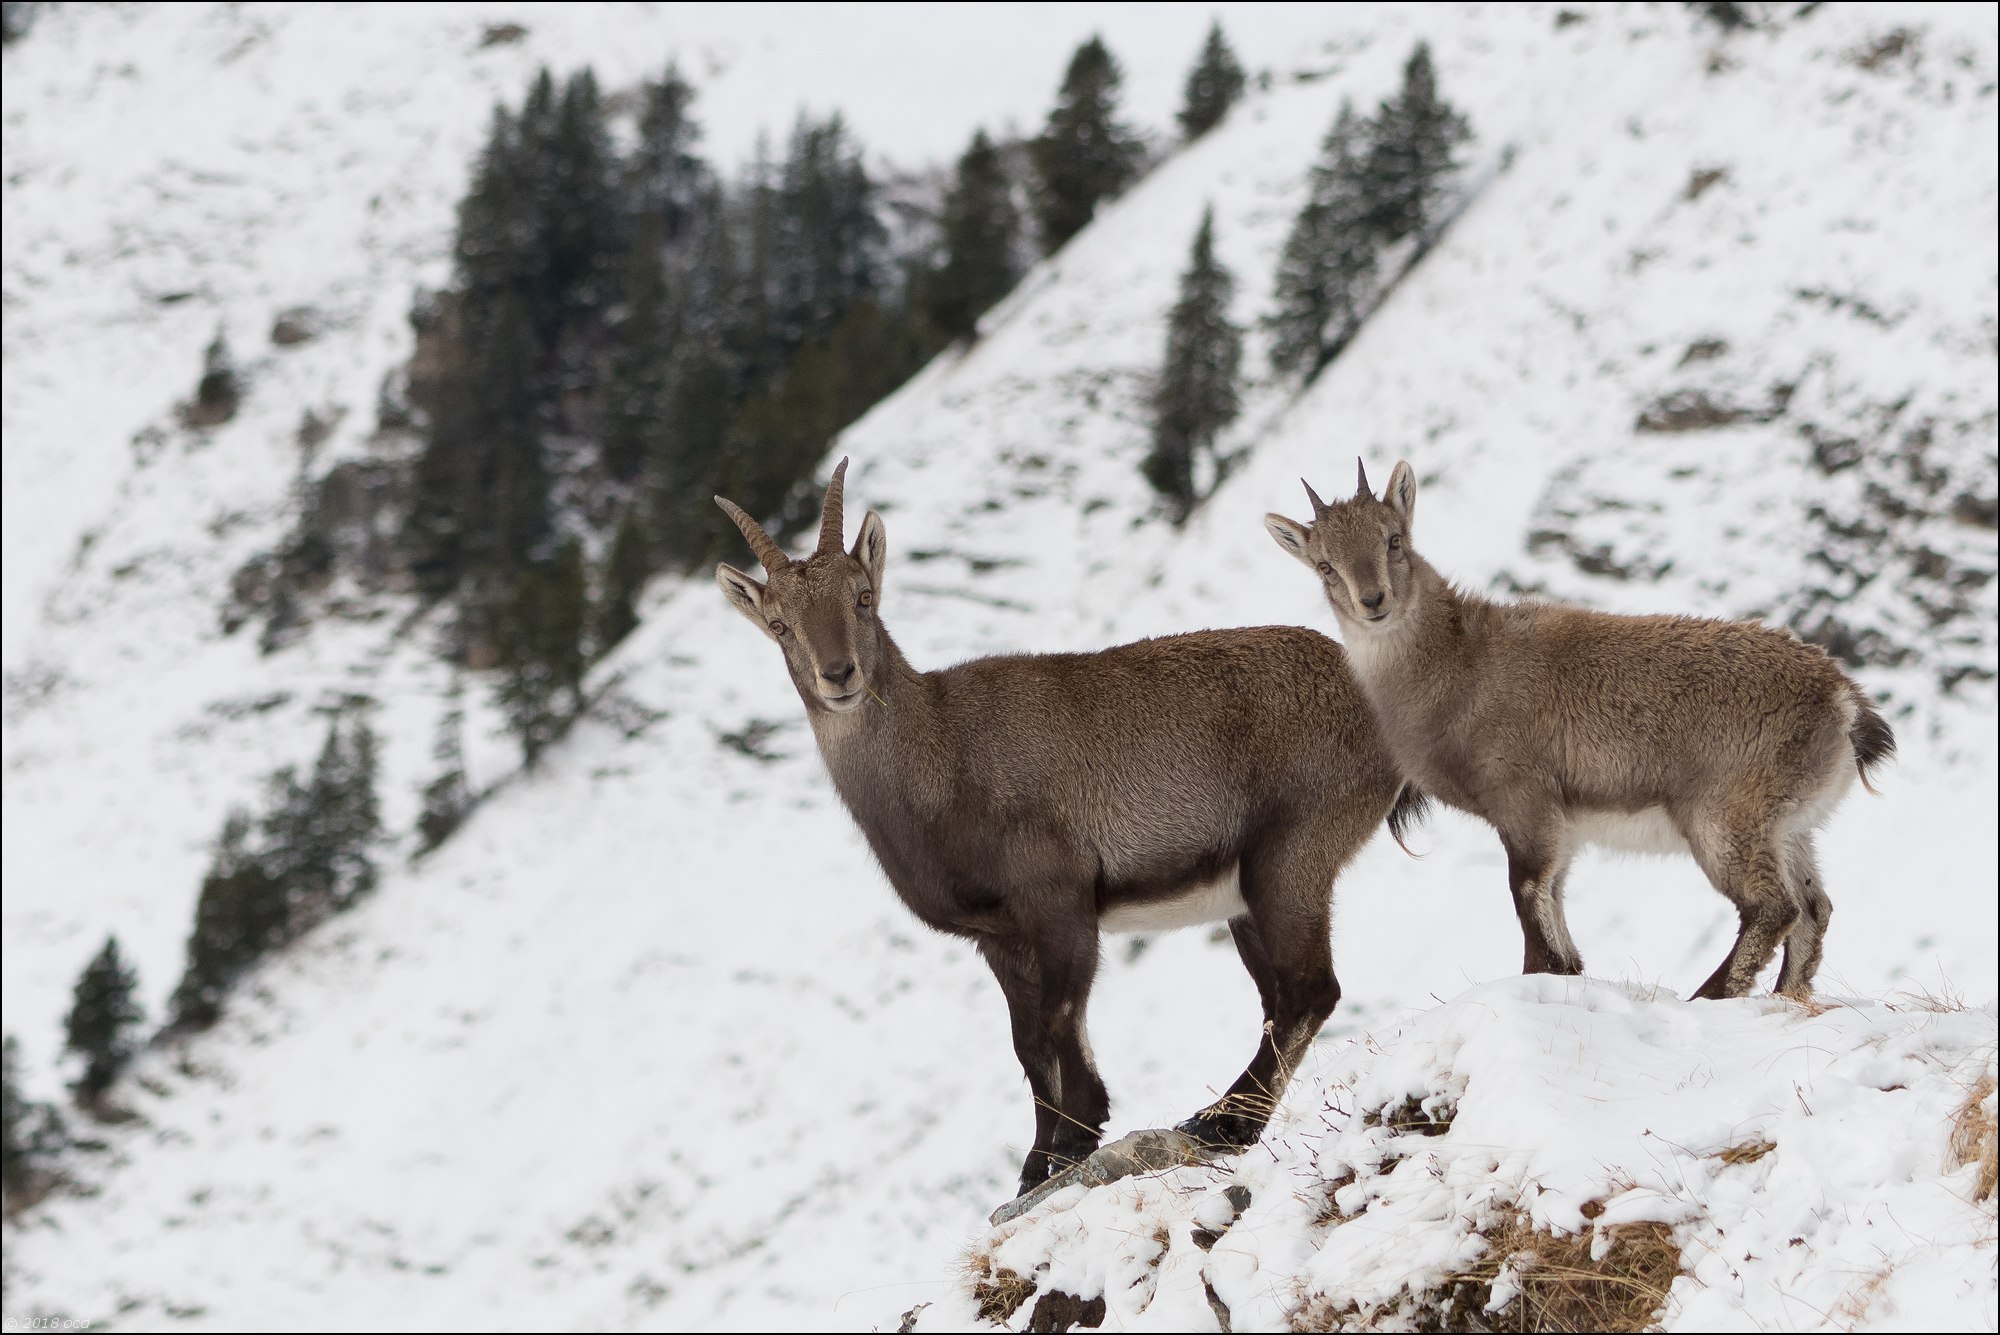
[
  {"x": 1361, "y": 487},
  {"x": 1319, "y": 506},
  {"x": 831, "y": 521},
  {"x": 769, "y": 553}
]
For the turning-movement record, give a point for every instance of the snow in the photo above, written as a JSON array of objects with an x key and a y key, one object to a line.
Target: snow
[
  {"x": 650, "y": 1043},
  {"x": 1582, "y": 1106}
]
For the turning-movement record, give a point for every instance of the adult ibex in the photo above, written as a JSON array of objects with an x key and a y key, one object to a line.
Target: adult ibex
[
  {"x": 1028, "y": 802},
  {"x": 1560, "y": 727}
]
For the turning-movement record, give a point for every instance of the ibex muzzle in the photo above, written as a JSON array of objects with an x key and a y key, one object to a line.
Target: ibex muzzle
[{"x": 1028, "y": 802}]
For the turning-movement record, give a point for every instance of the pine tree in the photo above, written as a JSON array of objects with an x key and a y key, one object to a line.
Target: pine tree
[
  {"x": 542, "y": 650},
  {"x": 1196, "y": 396},
  {"x": 447, "y": 798},
  {"x": 625, "y": 570},
  {"x": 243, "y": 912},
  {"x": 1326, "y": 272},
  {"x": 101, "y": 1021},
  {"x": 1412, "y": 156},
  {"x": 665, "y": 178},
  {"x": 634, "y": 404},
  {"x": 981, "y": 227},
  {"x": 831, "y": 247},
  {"x": 1084, "y": 155},
  {"x": 1213, "y": 85},
  {"x": 31, "y": 1135}
]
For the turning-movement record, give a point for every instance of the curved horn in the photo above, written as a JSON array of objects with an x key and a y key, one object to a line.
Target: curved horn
[
  {"x": 831, "y": 521},
  {"x": 768, "y": 552},
  {"x": 1361, "y": 487},
  {"x": 1319, "y": 506}
]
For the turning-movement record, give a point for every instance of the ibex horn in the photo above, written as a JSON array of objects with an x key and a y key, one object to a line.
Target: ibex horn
[
  {"x": 830, "y": 519},
  {"x": 1319, "y": 506},
  {"x": 1361, "y": 487},
  {"x": 768, "y": 552}
]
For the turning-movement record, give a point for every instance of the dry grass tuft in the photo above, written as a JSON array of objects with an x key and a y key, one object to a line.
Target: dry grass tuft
[
  {"x": 998, "y": 1293},
  {"x": 1975, "y": 1138},
  {"x": 1557, "y": 1286},
  {"x": 1750, "y": 1151}
]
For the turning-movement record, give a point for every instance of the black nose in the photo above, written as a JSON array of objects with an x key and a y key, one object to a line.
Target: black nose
[
  {"x": 838, "y": 674},
  {"x": 1372, "y": 602}
]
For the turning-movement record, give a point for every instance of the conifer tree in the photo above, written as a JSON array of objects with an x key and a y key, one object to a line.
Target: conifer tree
[
  {"x": 31, "y": 1134},
  {"x": 1084, "y": 155},
  {"x": 1213, "y": 85},
  {"x": 981, "y": 227},
  {"x": 634, "y": 405},
  {"x": 1326, "y": 272},
  {"x": 665, "y": 178},
  {"x": 1196, "y": 396},
  {"x": 830, "y": 245},
  {"x": 625, "y": 570},
  {"x": 243, "y": 912},
  {"x": 542, "y": 650},
  {"x": 1411, "y": 158},
  {"x": 447, "y": 798},
  {"x": 102, "y": 1017}
]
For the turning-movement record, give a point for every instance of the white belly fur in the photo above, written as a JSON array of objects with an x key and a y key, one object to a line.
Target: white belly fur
[
  {"x": 1212, "y": 901},
  {"x": 1644, "y": 831}
]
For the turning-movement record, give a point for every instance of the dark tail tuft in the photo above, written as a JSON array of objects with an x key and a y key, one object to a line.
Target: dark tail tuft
[
  {"x": 1410, "y": 808},
  {"x": 1871, "y": 736}
]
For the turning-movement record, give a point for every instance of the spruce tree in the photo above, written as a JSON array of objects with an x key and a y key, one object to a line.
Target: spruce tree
[
  {"x": 1326, "y": 272},
  {"x": 625, "y": 570},
  {"x": 634, "y": 406},
  {"x": 831, "y": 247},
  {"x": 102, "y": 1017},
  {"x": 1411, "y": 158},
  {"x": 665, "y": 178},
  {"x": 1213, "y": 86},
  {"x": 447, "y": 798},
  {"x": 243, "y": 912},
  {"x": 1084, "y": 155},
  {"x": 542, "y": 650},
  {"x": 31, "y": 1135},
  {"x": 1196, "y": 396},
  {"x": 980, "y": 226}
]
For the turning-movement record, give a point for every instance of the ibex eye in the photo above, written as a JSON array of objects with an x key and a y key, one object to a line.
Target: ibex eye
[
  {"x": 1325, "y": 569},
  {"x": 777, "y": 628},
  {"x": 1395, "y": 542},
  {"x": 867, "y": 598}
]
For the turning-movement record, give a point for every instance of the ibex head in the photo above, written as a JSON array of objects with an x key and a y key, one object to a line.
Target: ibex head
[
  {"x": 1360, "y": 549},
  {"x": 821, "y": 611}
]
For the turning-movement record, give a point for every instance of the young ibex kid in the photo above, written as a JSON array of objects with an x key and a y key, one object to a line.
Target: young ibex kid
[
  {"x": 1561, "y": 727},
  {"x": 1027, "y": 803}
]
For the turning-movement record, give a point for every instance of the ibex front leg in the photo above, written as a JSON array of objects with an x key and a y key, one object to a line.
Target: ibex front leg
[{"x": 1047, "y": 984}]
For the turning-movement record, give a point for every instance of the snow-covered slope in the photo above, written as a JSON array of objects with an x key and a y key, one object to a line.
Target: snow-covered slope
[{"x": 650, "y": 1042}]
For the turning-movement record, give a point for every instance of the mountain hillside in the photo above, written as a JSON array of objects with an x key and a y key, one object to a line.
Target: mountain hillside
[{"x": 649, "y": 1042}]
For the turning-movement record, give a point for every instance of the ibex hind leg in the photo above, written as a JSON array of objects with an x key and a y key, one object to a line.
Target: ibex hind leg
[
  {"x": 1285, "y": 944},
  {"x": 1808, "y": 934},
  {"x": 1741, "y": 857}
]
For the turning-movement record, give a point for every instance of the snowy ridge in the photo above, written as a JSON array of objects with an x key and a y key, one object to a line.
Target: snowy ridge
[
  {"x": 1802, "y": 1160},
  {"x": 649, "y": 1043}
]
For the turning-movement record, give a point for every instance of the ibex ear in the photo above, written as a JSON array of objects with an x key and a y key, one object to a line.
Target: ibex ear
[
  {"x": 1401, "y": 494},
  {"x": 1290, "y": 534},
  {"x": 744, "y": 593},
  {"x": 871, "y": 549}
]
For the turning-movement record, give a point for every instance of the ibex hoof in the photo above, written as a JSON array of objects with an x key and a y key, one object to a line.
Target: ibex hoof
[{"x": 1224, "y": 1132}]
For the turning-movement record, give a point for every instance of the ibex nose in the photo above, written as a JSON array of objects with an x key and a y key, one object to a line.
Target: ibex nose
[
  {"x": 1372, "y": 601},
  {"x": 837, "y": 674}
]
